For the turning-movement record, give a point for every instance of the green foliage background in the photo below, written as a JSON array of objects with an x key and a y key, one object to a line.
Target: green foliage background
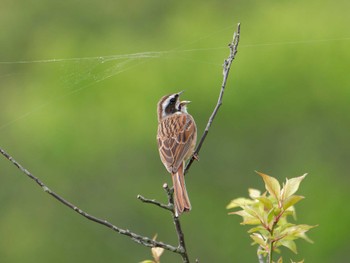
[{"x": 91, "y": 137}]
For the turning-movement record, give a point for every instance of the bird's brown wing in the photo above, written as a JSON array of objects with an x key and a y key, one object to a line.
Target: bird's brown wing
[{"x": 176, "y": 137}]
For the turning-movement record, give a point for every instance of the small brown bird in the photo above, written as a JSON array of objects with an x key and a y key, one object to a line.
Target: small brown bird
[{"x": 177, "y": 135}]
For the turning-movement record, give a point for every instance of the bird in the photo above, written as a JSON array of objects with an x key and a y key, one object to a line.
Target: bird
[{"x": 176, "y": 137}]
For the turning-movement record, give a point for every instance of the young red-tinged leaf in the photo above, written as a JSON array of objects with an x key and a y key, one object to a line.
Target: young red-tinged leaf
[
  {"x": 289, "y": 244},
  {"x": 258, "y": 240},
  {"x": 254, "y": 193},
  {"x": 291, "y": 200},
  {"x": 291, "y": 186},
  {"x": 156, "y": 253},
  {"x": 271, "y": 185},
  {"x": 239, "y": 202}
]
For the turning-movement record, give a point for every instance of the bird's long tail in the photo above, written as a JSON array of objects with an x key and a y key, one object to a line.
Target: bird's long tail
[{"x": 181, "y": 200}]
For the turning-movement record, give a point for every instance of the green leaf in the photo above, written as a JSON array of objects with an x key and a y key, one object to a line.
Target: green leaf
[
  {"x": 292, "y": 186},
  {"x": 306, "y": 238},
  {"x": 252, "y": 210},
  {"x": 239, "y": 202},
  {"x": 277, "y": 250},
  {"x": 265, "y": 201},
  {"x": 258, "y": 239},
  {"x": 248, "y": 219},
  {"x": 297, "y": 231},
  {"x": 302, "y": 228},
  {"x": 291, "y": 200},
  {"x": 254, "y": 193},
  {"x": 241, "y": 213},
  {"x": 259, "y": 229},
  {"x": 282, "y": 226},
  {"x": 289, "y": 244},
  {"x": 147, "y": 261},
  {"x": 280, "y": 260},
  {"x": 262, "y": 252},
  {"x": 271, "y": 185},
  {"x": 290, "y": 211},
  {"x": 270, "y": 217},
  {"x": 276, "y": 211}
]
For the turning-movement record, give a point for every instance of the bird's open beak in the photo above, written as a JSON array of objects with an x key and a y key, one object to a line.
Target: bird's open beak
[
  {"x": 179, "y": 93},
  {"x": 185, "y": 102}
]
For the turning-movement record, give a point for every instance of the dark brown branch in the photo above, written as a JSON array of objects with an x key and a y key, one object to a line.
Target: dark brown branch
[
  {"x": 226, "y": 70},
  {"x": 148, "y": 242}
]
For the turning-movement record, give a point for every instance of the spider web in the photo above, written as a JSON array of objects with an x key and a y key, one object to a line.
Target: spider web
[{"x": 78, "y": 74}]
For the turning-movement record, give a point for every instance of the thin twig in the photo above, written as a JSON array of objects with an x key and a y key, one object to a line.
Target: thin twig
[
  {"x": 148, "y": 242},
  {"x": 154, "y": 202},
  {"x": 226, "y": 70}
]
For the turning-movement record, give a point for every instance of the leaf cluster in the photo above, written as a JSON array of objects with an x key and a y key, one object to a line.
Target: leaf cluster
[{"x": 269, "y": 213}]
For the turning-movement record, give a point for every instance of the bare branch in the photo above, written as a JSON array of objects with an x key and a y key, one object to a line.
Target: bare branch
[
  {"x": 154, "y": 202},
  {"x": 148, "y": 242},
  {"x": 226, "y": 70}
]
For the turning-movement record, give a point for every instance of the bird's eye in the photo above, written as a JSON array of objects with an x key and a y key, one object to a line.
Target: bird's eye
[{"x": 172, "y": 100}]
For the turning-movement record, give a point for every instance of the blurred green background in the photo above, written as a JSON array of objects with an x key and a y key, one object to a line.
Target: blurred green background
[{"x": 87, "y": 126}]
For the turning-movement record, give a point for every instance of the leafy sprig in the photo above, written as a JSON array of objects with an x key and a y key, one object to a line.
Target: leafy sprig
[{"x": 269, "y": 213}]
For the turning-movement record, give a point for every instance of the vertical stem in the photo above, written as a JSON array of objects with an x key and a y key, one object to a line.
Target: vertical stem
[
  {"x": 269, "y": 259},
  {"x": 271, "y": 239}
]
